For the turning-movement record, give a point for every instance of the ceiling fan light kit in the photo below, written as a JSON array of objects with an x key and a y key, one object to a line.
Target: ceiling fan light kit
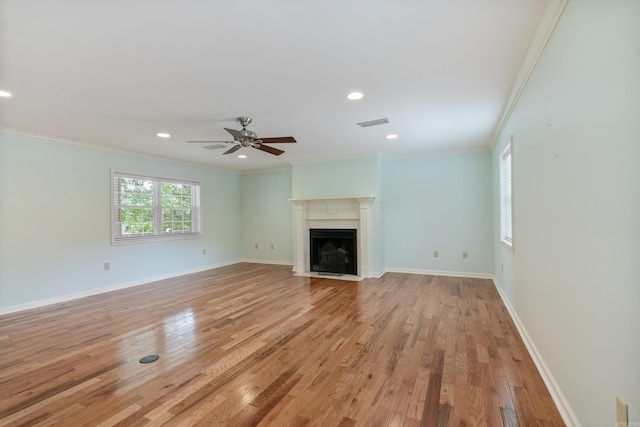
[{"x": 248, "y": 138}]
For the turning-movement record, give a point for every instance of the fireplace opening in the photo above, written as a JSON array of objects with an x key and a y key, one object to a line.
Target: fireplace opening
[{"x": 333, "y": 251}]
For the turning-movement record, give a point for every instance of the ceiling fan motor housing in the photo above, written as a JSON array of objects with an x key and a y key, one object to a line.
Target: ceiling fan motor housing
[
  {"x": 247, "y": 134},
  {"x": 246, "y": 138}
]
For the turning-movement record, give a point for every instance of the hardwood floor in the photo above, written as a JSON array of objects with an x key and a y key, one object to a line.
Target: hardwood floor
[{"x": 252, "y": 344}]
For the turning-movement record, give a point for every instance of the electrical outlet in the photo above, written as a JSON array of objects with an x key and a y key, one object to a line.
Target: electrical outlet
[
  {"x": 622, "y": 413},
  {"x": 256, "y": 246},
  {"x": 465, "y": 255},
  {"x": 204, "y": 251},
  {"x": 436, "y": 254},
  {"x": 272, "y": 246},
  {"x": 107, "y": 266}
]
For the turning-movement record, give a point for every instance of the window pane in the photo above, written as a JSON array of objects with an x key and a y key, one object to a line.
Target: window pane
[
  {"x": 136, "y": 208},
  {"x": 506, "y": 192},
  {"x": 136, "y": 192},
  {"x": 136, "y": 221},
  {"x": 166, "y": 216},
  {"x": 176, "y": 195}
]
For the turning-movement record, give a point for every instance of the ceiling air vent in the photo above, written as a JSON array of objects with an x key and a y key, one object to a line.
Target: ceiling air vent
[{"x": 373, "y": 123}]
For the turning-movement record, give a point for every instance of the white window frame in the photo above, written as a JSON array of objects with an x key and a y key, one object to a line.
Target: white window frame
[
  {"x": 157, "y": 234},
  {"x": 506, "y": 194}
]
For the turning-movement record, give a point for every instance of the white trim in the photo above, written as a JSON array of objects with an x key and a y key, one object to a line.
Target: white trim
[
  {"x": 332, "y": 198},
  {"x": 561, "y": 402},
  {"x": 371, "y": 154},
  {"x": 267, "y": 170},
  {"x": 117, "y": 150},
  {"x": 378, "y": 274},
  {"x": 474, "y": 150},
  {"x": 548, "y": 21},
  {"x": 344, "y": 277},
  {"x": 470, "y": 275},
  {"x": 507, "y": 245},
  {"x": 506, "y": 177},
  {"x": 115, "y": 287},
  {"x": 267, "y": 261}
]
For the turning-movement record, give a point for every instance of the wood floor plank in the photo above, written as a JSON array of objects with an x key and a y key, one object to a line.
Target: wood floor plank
[{"x": 252, "y": 344}]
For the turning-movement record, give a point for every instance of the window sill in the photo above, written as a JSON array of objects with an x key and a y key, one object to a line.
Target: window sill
[
  {"x": 508, "y": 245},
  {"x": 149, "y": 239}
]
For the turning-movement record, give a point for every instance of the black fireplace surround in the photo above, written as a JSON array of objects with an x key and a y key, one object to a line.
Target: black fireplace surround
[{"x": 333, "y": 251}]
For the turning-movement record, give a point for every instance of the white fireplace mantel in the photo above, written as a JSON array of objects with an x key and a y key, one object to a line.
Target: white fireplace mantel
[{"x": 333, "y": 212}]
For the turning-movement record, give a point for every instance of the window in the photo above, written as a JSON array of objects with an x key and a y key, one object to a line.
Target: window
[
  {"x": 148, "y": 208},
  {"x": 506, "y": 194}
]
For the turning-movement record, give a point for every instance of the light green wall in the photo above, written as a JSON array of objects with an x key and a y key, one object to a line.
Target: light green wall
[
  {"x": 267, "y": 217},
  {"x": 574, "y": 278},
  {"x": 439, "y": 203},
  {"x": 55, "y": 222},
  {"x": 381, "y": 242},
  {"x": 339, "y": 178}
]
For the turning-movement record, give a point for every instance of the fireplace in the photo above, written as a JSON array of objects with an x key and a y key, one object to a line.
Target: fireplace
[
  {"x": 333, "y": 251},
  {"x": 338, "y": 213}
]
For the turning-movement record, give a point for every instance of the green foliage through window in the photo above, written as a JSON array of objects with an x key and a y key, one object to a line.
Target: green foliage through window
[{"x": 149, "y": 207}]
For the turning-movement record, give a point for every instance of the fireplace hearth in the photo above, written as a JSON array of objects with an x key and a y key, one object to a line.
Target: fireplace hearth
[{"x": 333, "y": 251}]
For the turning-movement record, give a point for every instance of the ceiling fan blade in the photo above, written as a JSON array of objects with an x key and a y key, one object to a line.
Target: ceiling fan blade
[
  {"x": 236, "y": 134},
  {"x": 214, "y": 147},
  {"x": 228, "y": 142},
  {"x": 278, "y": 140},
  {"x": 269, "y": 150},
  {"x": 233, "y": 149}
]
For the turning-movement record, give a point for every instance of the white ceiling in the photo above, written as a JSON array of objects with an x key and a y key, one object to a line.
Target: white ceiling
[{"x": 116, "y": 72}]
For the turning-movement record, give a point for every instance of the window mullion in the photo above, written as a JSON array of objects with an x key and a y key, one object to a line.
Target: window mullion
[{"x": 157, "y": 208}]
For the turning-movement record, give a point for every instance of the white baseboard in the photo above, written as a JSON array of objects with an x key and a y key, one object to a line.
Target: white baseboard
[
  {"x": 561, "y": 402},
  {"x": 114, "y": 287},
  {"x": 267, "y": 261},
  {"x": 437, "y": 273}
]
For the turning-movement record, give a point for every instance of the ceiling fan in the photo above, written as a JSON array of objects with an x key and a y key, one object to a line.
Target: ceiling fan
[{"x": 247, "y": 138}]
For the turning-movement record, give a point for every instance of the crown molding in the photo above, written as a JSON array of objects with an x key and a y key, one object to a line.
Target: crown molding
[
  {"x": 99, "y": 147},
  {"x": 548, "y": 21},
  {"x": 336, "y": 158}
]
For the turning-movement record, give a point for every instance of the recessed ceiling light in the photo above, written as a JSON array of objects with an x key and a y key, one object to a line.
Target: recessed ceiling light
[
  {"x": 163, "y": 135},
  {"x": 355, "y": 96},
  {"x": 392, "y": 136},
  {"x": 242, "y": 156},
  {"x": 5, "y": 94}
]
